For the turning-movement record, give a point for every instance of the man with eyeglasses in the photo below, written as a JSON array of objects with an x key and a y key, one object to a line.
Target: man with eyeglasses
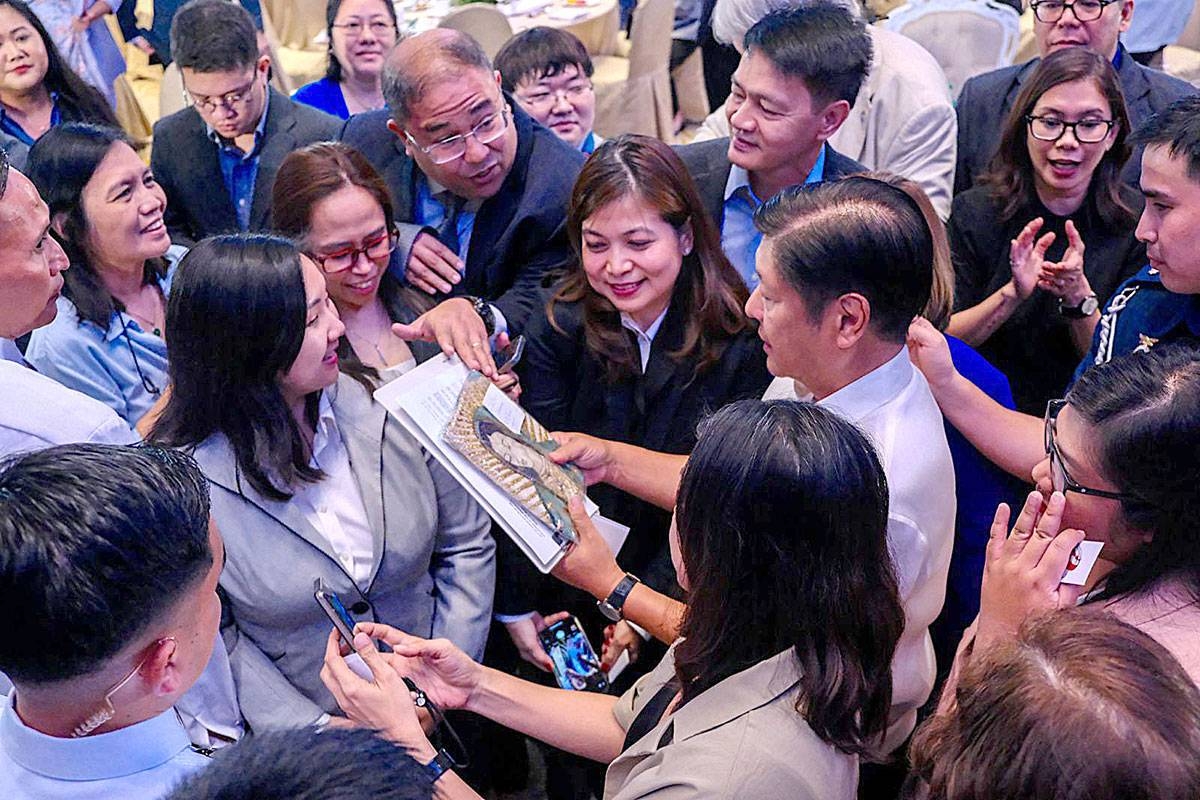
[
  {"x": 549, "y": 72},
  {"x": 1095, "y": 24},
  {"x": 217, "y": 160},
  {"x": 480, "y": 191}
]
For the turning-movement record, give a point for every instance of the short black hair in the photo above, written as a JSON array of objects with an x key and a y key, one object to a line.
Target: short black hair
[
  {"x": 97, "y": 542},
  {"x": 1176, "y": 127},
  {"x": 306, "y": 764},
  {"x": 859, "y": 234},
  {"x": 540, "y": 52},
  {"x": 213, "y": 36},
  {"x": 822, "y": 43}
]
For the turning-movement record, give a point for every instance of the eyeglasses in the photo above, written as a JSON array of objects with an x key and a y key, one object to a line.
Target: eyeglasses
[
  {"x": 379, "y": 28},
  {"x": 1051, "y": 129},
  {"x": 375, "y": 248},
  {"x": 544, "y": 98},
  {"x": 229, "y": 100},
  {"x": 489, "y": 129},
  {"x": 1059, "y": 479},
  {"x": 1084, "y": 10}
]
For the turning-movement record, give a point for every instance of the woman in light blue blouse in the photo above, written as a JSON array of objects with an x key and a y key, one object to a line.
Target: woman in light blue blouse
[
  {"x": 361, "y": 34},
  {"x": 107, "y": 212}
]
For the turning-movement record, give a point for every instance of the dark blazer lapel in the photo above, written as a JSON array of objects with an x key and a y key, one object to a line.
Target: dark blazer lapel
[
  {"x": 202, "y": 176},
  {"x": 497, "y": 212},
  {"x": 361, "y": 422},
  {"x": 278, "y": 141},
  {"x": 217, "y": 460},
  {"x": 1134, "y": 86},
  {"x": 403, "y": 182},
  {"x": 662, "y": 385},
  {"x": 711, "y": 181}
]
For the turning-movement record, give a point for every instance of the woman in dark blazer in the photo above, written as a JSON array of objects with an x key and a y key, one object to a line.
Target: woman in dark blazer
[{"x": 643, "y": 338}]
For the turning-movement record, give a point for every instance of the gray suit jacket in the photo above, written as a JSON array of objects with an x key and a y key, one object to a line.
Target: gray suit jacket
[
  {"x": 708, "y": 163},
  {"x": 433, "y": 572},
  {"x": 986, "y": 100},
  {"x": 187, "y": 166}
]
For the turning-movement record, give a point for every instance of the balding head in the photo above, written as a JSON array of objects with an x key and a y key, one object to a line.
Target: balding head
[
  {"x": 420, "y": 62},
  {"x": 30, "y": 259}
]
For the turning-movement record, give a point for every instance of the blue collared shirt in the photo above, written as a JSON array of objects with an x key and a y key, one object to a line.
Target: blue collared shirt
[
  {"x": 590, "y": 143},
  {"x": 11, "y": 127},
  {"x": 143, "y": 760},
  {"x": 739, "y": 238},
  {"x": 431, "y": 211},
  {"x": 239, "y": 169},
  {"x": 123, "y": 366}
]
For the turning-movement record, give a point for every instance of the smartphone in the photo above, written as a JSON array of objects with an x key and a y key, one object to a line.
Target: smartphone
[
  {"x": 508, "y": 357},
  {"x": 575, "y": 663},
  {"x": 328, "y": 600}
]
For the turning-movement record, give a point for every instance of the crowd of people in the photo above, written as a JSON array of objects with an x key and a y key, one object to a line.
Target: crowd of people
[{"x": 814, "y": 360}]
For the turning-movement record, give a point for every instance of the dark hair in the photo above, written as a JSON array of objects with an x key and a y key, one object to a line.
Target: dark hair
[
  {"x": 822, "y": 43},
  {"x": 235, "y": 321},
  {"x": 782, "y": 514},
  {"x": 1010, "y": 173},
  {"x": 1144, "y": 413},
  {"x": 1079, "y": 706},
  {"x": 306, "y": 177},
  {"x": 78, "y": 100},
  {"x": 1177, "y": 128},
  {"x": 859, "y": 234},
  {"x": 333, "y": 70},
  {"x": 97, "y": 542},
  {"x": 941, "y": 292},
  {"x": 710, "y": 293},
  {"x": 213, "y": 36},
  {"x": 538, "y": 53},
  {"x": 61, "y": 164},
  {"x": 307, "y": 764},
  {"x": 442, "y": 57}
]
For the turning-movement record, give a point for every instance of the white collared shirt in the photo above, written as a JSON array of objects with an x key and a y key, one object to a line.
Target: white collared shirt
[
  {"x": 893, "y": 406},
  {"x": 334, "y": 504},
  {"x": 645, "y": 338},
  {"x": 145, "y": 760}
]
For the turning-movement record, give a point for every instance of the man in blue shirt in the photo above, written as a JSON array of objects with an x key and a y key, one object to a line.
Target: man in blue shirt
[
  {"x": 799, "y": 75},
  {"x": 217, "y": 160},
  {"x": 98, "y": 663}
]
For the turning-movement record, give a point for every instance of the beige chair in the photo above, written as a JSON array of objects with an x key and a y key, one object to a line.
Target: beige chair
[
  {"x": 1182, "y": 62},
  {"x": 966, "y": 37},
  {"x": 688, "y": 78},
  {"x": 483, "y": 23},
  {"x": 633, "y": 94}
]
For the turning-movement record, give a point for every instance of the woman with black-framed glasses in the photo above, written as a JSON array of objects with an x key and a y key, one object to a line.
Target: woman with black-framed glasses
[
  {"x": 1122, "y": 467},
  {"x": 1048, "y": 235}
]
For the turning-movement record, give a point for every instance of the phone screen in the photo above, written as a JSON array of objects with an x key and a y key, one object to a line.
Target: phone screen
[{"x": 575, "y": 664}]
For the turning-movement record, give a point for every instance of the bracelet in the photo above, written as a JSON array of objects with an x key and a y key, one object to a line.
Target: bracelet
[{"x": 439, "y": 766}]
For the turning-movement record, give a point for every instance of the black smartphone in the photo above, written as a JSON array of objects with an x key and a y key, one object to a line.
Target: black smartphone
[
  {"x": 507, "y": 358},
  {"x": 575, "y": 664},
  {"x": 328, "y": 600}
]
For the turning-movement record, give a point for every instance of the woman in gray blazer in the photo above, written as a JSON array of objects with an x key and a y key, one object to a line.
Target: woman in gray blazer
[
  {"x": 309, "y": 479},
  {"x": 782, "y": 675}
]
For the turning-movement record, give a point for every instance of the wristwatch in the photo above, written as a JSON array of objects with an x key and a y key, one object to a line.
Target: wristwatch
[
  {"x": 1084, "y": 309},
  {"x": 484, "y": 309},
  {"x": 439, "y": 766},
  {"x": 611, "y": 606}
]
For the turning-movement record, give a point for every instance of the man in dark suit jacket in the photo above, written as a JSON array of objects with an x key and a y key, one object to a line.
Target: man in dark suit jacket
[
  {"x": 986, "y": 99},
  {"x": 217, "y": 160},
  {"x": 799, "y": 75},
  {"x": 481, "y": 215}
]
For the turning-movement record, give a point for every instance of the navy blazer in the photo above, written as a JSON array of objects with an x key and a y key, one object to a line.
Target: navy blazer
[
  {"x": 520, "y": 232},
  {"x": 986, "y": 100},
  {"x": 708, "y": 163},
  {"x": 187, "y": 166},
  {"x": 565, "y": 388}
]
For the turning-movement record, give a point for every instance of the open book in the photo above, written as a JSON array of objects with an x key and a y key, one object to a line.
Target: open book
[{"x": 424, "y": 401}]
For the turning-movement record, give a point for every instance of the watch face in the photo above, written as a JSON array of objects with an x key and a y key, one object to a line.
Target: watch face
[
  {"x": 608, "y": 611},
  {"x": 1089, "y": 306}
]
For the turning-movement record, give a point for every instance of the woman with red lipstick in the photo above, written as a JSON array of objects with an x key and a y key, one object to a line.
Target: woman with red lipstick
[
  {"x": 106, "y": 210},
  {"x": 310, "y": 478},
  {"x": 361, "y": 34},
  {"x": 1040, "y": 245},
  {"x": 642, "y": 338}
]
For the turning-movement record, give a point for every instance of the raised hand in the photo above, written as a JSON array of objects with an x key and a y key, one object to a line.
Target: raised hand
[
  {"x": 1065, "y": 279},
  {"x": 1026, "y": 254}
]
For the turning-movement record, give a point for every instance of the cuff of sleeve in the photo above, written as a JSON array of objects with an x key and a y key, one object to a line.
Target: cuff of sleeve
[
  {"x": 498, "y": 320},
  {"x": 639, "y": 630},
  {"x": 508, "y": 619},
  {"x": 322, "y": 722}
]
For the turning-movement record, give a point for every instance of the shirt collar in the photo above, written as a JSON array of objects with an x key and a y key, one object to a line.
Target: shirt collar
[
  {"x": 118, "y": 322},
  {"x": 326, "y": 435},
  {"x": 441, "y": 194},
  {"x": 651, "y": 331},
  {"x": 858, "y": 399},
  {"x": 739, "y": 177},
  {"x": 259, "y": 130},
  {"x": 145, "y": 745},
  {"x": 588, "y": 145}
]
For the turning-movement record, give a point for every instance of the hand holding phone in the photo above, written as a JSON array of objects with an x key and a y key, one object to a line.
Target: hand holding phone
[
  {"x": 575, "y": 663},
  {"x": 332, "y": 605}
]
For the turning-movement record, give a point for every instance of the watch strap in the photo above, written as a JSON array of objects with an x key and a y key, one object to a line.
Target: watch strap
[
  {"x": 1080, "y": 311},
  {"x": 616, "y": 599},
  {"x": 439, "y": 766},
  {"x": 484, "y": 309}
]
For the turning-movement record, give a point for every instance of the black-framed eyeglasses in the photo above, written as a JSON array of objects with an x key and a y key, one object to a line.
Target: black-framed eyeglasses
[
  {"x": 1084, "y": 10},
  {"x": 1059, "y": 479},
  {"x": 230, "y": 100},
  {"x": 354, "y": 29},
  {"x": 375, "y": 248},
  {"x": 489, "y": 129},
  {"x": 1050, "y": 129},
  {"x": 443, "y": 736}
]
